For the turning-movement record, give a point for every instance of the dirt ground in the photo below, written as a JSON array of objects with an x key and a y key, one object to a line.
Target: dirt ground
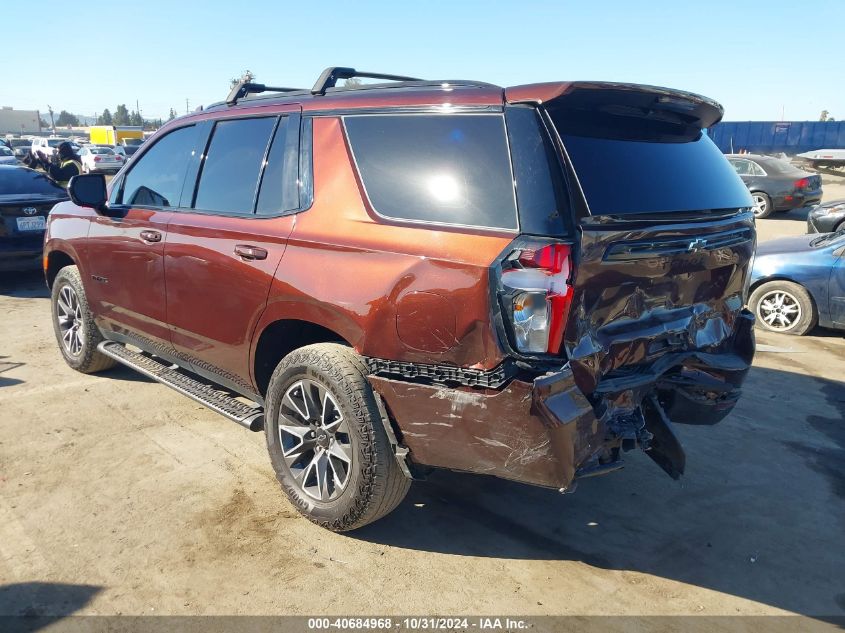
[{"x": 119, "y": 496}]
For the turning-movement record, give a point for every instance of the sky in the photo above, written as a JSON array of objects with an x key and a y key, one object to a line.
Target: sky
[{"x": 762, "y": 59}]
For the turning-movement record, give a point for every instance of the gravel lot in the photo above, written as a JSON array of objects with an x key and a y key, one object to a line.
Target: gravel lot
[{"x": 118, "y": 496}]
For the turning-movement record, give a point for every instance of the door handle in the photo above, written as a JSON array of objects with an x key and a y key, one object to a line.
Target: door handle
[
  {"x": 250, "y": 252},
  {"x": 151, "y": 236}
]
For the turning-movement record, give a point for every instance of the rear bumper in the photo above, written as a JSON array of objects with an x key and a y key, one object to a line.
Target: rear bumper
[
  {"x": 533, "y": 432},
  {"x": 109, "y": 167},
  {"x": 797, "y": 200},
  {"x": 15, "y": 257},
  {"x": 546, "y": 432}
]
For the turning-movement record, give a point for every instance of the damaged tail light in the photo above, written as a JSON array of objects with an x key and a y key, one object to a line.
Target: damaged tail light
[{"x": 537, "y": 294}]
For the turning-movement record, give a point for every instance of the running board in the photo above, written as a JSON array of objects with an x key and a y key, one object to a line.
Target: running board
[{"x": 252, "y": 417}]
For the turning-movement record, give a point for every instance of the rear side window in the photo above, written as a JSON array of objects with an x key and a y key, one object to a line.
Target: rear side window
[
  {"x": 279, "y": 191},
  {"x": 448, "y": 169},
  {"x": 156, "y": 178},
  {"x": 229, "y": 177},
  {"x": 631, "y": 173}
]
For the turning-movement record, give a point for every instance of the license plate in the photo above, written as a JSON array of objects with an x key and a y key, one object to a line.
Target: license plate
[{"x": 38, "y": 223}]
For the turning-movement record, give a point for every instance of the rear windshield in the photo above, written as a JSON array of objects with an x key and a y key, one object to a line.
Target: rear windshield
[
  {"x": 54, "y": 142},
  {"x": 19, "y": 181},
  {"x": 621, "y": 176},
  {"x": 101, "y": 150},
  {"x": 439, "y": 168}
]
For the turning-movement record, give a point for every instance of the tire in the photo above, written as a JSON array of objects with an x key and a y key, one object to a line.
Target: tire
[
  {"x": 372, "y": 484},
  {"x": 73, "y": 324},
  {"x": 762, "y": 204},
  {"x": 800, "y": 316}
]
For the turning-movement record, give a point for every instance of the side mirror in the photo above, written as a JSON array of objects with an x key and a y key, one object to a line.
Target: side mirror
[{"x": 89, "y": 190}]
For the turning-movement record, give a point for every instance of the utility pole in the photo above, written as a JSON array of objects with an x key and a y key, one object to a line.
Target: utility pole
[
  {"x": 52, "y": 124},
  {"x": 138, "y": 110},
  {"x": 187, "y": 106}
]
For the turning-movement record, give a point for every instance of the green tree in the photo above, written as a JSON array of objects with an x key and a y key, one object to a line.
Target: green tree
[
  {"x": 136, "y": 119},
  {"x": 121, "y": 115},
  {"x": 104, "y": 118},
  {"x": 172, "y": 114},
  {"x": 67, "y": 119},
  {"x": 43, "y": 123}
]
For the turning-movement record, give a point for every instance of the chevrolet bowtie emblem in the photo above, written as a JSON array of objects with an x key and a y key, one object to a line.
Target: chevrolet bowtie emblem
[{"x": 697, "y": 245}]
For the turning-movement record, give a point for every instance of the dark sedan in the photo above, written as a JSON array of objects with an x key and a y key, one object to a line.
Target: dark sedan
[
  {"x": 26, "y": 197},
  {"x": 775, "y": 184},
  {"x": 798, "y": 282},
  {"x": 827, "y": 217}
]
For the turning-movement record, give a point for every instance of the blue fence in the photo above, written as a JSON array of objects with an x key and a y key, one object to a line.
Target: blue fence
[{"x": 772, "y": 137}]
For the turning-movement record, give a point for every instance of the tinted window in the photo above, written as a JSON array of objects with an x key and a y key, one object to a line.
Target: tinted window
[
  {"x": 54, "y": 142},
  {"x": 230, "y": 171},
  {"x": 156, "y": 178},
  {"x": 15, "y": 181},
  {"x": 542, "y": 201},
  {"x": 279, "y": 190},
  {"x": 453, "y": 169},
  {"x": 636, "y": 176},
  {"x": 5, "y": 151}
]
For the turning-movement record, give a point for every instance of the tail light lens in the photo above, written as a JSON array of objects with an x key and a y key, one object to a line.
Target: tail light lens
[
  {"x": 802, "y": 183},
  {"x": 97, "y": 159},
  {"x": 537, "y": 293}
]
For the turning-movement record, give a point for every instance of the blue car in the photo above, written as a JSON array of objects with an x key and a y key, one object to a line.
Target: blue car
[{"x": 799, "y": 282}]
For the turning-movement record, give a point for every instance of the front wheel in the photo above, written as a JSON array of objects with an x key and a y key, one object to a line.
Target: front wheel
[
  {"x": 326, "y": 440},
  {"x": 785, "y": 307},
  {"x": 762, "y": 204},
  {"x": 73, "y": 323}
]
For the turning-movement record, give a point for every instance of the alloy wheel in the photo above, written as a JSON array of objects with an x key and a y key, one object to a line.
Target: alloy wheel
[
  {"x": 316, "y": 443},
  {"x": 69, "y": 316},
  {"x": 761, "y": 205},
  {"x": 779, "y": 310}
]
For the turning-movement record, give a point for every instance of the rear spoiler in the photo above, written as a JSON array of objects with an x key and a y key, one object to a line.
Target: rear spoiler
[{"x": 622, "y": 100}]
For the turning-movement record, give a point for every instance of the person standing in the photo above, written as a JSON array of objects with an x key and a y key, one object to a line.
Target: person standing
[{"x": 61, "y": 167}]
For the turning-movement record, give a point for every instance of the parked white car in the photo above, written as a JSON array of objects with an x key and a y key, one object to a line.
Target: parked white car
[
  {"x": 47, "y": 145},
  {"x": 99, "y": 159}
]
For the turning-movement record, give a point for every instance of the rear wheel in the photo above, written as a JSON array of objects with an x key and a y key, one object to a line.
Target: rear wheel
[
  {"x": 326, "y": 440},
  {"x": 73, "y": 323},
  {"x": 785, "y": 307},
  {"x": 762, "y": 204}
]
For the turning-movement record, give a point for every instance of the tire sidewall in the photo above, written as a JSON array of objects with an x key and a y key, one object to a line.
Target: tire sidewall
[
  {"x": 297, "y": 367},
  {"x": 769, "y": 210},
  {"x": 70, "y": 277},
  {"x": 808, "y": 315}
]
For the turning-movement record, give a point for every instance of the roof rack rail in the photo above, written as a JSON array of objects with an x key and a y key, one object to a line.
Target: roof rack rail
[
  {"x": 330, "y": 76},
  {"x": 244, "y": 88}
]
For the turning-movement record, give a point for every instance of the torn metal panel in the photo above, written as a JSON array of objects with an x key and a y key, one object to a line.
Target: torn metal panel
[
  {"x": 652, "y": 315},
  {"x": 536, "y": 433}
]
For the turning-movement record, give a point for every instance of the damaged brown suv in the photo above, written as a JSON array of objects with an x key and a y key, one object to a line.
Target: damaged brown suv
[{"x": 392, "y": 277}]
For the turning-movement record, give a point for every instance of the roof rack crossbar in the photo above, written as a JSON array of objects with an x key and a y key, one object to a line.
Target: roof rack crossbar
[
  {"x": 330, "y": 76},
  {"x": 244, "y": 88}
]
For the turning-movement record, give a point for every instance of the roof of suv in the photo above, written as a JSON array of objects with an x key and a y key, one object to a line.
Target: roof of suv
[{"x": 409, "y": 92}]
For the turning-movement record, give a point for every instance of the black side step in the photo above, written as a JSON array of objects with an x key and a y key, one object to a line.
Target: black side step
[{"x": 252, "y": 417}]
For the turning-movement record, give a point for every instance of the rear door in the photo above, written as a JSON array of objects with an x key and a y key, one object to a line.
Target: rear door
[
  {"x": 125, "y": 248},
  {"x": 222, "y": 253},
  {"x": 666, "y": 240}
]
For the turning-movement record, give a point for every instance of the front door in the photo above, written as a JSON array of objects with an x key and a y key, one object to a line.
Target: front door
[
  {"x": 837, "y": 289},
  {"x": 125, "y": 248},
  {"x": 221, "y": 255}
]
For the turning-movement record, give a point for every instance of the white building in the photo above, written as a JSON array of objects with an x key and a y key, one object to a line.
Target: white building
[{"x": 19, "y": 121}]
